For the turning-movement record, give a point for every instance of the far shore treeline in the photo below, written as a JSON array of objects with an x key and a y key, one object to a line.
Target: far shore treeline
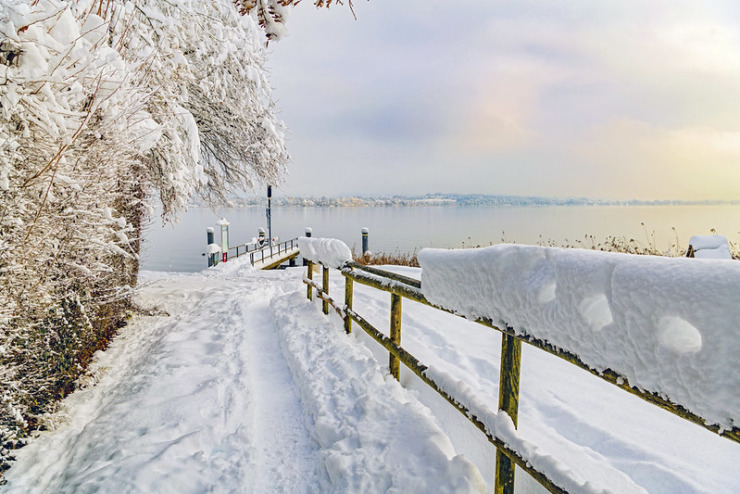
[{"x": 439, "y": 199}]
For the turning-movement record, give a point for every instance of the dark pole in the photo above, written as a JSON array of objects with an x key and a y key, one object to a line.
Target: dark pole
[
  {"x": 209, "y": 241},
  {"x": 309, "y": 231},
  {"x": 365, "y": 233},
  {"x": 269, "y": 217}
]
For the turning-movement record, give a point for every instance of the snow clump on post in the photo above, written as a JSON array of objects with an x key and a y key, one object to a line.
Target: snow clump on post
[{"x": 330, "y": 252}]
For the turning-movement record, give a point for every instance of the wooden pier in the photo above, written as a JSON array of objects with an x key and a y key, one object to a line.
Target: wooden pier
[{"x": 261, "y": 257}]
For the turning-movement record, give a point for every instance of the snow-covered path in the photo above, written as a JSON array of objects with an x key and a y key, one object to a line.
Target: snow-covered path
[
  {"x": 204, "y": 401},
  {"x": 286, "y": 455},
  {"x": 185, "y": 406}
]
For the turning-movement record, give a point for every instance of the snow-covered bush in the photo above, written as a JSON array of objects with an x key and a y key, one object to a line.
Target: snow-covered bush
[
  {"x": 70, "y": 174},
  {"x": 105, "y": 104}
]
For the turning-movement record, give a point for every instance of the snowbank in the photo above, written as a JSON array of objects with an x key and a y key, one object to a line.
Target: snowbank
[
  {"x": 328, "y": 251},
  {"x": 374, "y": 436},
  {"x": 668, "y": 325}
]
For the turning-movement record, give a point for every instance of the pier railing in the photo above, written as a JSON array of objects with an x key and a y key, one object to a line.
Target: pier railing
[
  {"x": 400, "y": 287},
  {"x": 261, "y": 253}
]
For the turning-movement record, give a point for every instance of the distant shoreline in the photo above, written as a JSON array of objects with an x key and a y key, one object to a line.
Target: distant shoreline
[{"x": 460, "y": 200}]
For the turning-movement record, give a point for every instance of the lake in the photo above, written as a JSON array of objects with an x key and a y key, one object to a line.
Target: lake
[{"x": 402, "y": 229}]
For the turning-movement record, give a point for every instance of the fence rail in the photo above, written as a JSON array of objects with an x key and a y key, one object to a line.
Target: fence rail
[{"x": 399, "y": 287}]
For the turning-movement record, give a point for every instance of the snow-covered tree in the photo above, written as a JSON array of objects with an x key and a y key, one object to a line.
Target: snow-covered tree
[
  {"x": 203, "y": 62},
  {"x": 104, "y": 105}
]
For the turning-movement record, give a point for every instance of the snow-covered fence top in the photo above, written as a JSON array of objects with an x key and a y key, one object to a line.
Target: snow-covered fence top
[
  {"x": 669, "y": 325},
  {"x": 330, "y": 252},
  {"x": 709, "y": 247}
]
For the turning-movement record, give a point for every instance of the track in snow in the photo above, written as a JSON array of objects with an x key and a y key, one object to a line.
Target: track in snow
[{"x": 285, "y": 453}]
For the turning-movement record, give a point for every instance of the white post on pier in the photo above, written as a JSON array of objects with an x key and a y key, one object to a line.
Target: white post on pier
[{"x": 224, "y": 238}]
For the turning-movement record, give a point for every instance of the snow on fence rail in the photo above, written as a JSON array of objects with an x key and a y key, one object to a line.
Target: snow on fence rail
[
  {"x": 663, "y": 329},
  {"x": 667, "y": 325}
]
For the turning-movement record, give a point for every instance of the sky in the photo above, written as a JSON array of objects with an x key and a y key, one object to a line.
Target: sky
[{"x": 608, "y": 99}]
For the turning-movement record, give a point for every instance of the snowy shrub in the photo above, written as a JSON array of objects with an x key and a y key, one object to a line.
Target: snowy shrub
[
  {"x": 105, "y": 104},
  {"x": 68, "y": 172}
]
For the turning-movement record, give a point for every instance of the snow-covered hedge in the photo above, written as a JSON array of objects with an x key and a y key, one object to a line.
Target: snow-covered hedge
[
  {"x": 669, "y": 325},
  {"x": 330, "y": 252}
]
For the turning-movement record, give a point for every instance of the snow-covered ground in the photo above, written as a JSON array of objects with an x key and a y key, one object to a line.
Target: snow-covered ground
[{"x": 247, "y": 387}]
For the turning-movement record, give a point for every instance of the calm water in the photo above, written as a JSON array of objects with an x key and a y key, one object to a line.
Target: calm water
[{"x": 403, "y": 229}]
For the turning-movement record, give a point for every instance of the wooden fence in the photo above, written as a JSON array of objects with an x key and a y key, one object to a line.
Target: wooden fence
[{"x": 400, "y": 287}]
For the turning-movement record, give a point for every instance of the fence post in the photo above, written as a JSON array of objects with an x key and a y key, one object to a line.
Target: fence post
[
  {"x": 325, "y": 288},
  {"x": 348, "y": 288},
  {"x": 309, "y": 288},
  {"x": 508, "y": 401},
  {"x": 394, "y": 365}
]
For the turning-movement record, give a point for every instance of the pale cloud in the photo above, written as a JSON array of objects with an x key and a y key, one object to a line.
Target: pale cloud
[
  {"x": 496, "y": 115},
  {"x": 693, "y": 163},
  {"x": 600, "y": 99}
]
